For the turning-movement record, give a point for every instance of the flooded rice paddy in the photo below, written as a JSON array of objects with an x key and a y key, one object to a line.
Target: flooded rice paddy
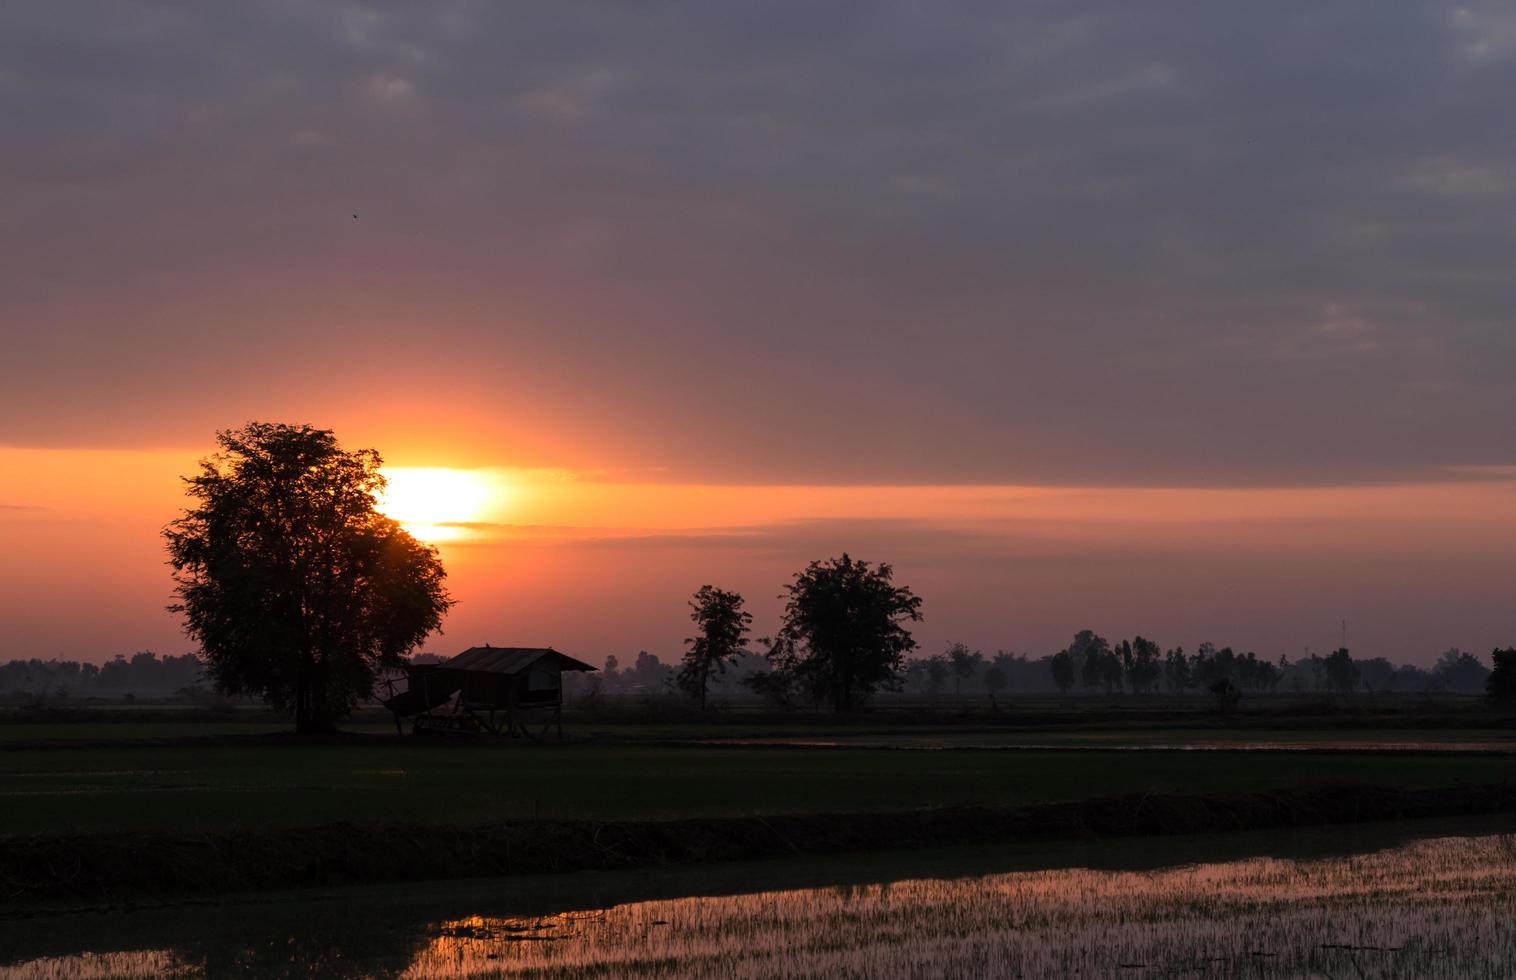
[{"x": 1432, "y": 907}]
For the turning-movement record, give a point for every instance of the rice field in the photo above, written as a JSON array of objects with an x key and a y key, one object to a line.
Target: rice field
[
  {"x": 198, "y": 788},
  {"x": 1436, "y": 908}
]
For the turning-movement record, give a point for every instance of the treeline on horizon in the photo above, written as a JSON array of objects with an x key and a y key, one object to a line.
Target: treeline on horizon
[
  {"x": 844, "y": 638},
  {"x": 1090, "y": 665},
  {"x": 142, "y": 673}
]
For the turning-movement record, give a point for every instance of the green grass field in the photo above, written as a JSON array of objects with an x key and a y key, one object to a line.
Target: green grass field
[{"x": 194, "y": 787}]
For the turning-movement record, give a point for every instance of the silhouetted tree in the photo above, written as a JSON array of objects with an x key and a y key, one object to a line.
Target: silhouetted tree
[
  {"x": 914, "y": 675},
  {"x": 1089, "y": 654},
  {"x": 1019, "y": 673},
  {"x": 747, "y": 661},
  {"x": 1143, "y": 665},
  {"x": 844, "y": 634},
  {"x": 1456, "y": 670},
  {"x": 938, "y": 669},
  {"x": 964, "y": 663},
  {"x": 1061, "y": 666},
  {"x": 1110, "y": 670},
  {"x": 777, "y": 686},
  {"x": 1176, "y": 670},
  {"x": 1227, "y": 696},
  {"x": 649, "y": 674},
  {"x": 296, "y": 587},
  {"x": 1376, "y": 674},
  {"x": 1341, "y": 671},
  {"x": 995, "y": 680},
  {"x": 1500, "y": 686},
  {"x": 1252, "y": 674},
  {"x": 1409, "y": 677},
  {"x": 723, "y": 627},
  {"x": 1211, "y": 665}
]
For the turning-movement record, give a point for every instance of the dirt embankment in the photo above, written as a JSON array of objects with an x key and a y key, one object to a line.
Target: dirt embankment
[{"x": 107, "y": 868}]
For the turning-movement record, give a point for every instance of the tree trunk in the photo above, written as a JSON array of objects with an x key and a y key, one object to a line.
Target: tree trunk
[{"x": 312, "y": 714}]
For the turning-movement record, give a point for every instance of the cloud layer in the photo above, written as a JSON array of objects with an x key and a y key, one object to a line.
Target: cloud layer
[{"x": 857, "y": 242}]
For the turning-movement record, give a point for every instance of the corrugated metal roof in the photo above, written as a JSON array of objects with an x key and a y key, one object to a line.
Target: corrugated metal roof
[{"x": 509, "y": 660}]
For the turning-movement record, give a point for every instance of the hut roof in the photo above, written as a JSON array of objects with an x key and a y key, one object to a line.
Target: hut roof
[{"x": 509, "y": 660}]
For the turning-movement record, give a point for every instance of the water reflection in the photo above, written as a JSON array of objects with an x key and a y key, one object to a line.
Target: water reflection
[
  {"x": 1436, "y": 908},
  {"x": 1441, "y": 907}
]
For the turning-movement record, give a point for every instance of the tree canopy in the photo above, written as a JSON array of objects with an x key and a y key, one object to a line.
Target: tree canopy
[
  {"x": 964, "y": 662},
  {"x": 1500, "y": 686},
  {"x": 296, "y": 587},
  {"x": 844, "y": 635},
  {"x": 723, "y": 628}
]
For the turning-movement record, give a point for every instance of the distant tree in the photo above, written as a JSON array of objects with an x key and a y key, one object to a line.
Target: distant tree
[
  {"x": 1253, "y": 674},
  {"x": 1312, "y": 672},
  {"x": 1458, "y": 671},
  {"x": 1110, "y": 670},
  {"x": 1211, "y": 665},
  {"x": 722, "y": 629},
  {"x": 844, "y": 634},
  {"x": 1376, "y": 674},
  {"x": 965, "y": 663},
  {"x": 776, "y": 685},
  {"x": 1341, "y": 671},
  {"x": 1015, "y": 670},
  {"x": 995, "y": 680},
  {"x": 1062, "y": 667},
  {"x": 914, "y": 676},
  {"x": 1227, "y": 696},
  {"x": 1176, "y": 670},
  {"x": 1143, "y": 664},
  {"x": 1266, "y": 676},
  {"x": 1092, "y": 657},
  {"x": 1500, "y": 686},
  {"x": 1409, "y": 677},
  {"x": 747, "y": 661},
  {"x": 938, "y": 669},
  {"x": 296, "y": 587},
  {"x": 649, "y": 674}
]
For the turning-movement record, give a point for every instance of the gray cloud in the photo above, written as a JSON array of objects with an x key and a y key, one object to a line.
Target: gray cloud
[{"x": 1158, "y": 243}]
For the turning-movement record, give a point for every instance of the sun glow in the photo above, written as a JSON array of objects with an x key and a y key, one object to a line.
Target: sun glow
[{"x": 438, "y": 504}]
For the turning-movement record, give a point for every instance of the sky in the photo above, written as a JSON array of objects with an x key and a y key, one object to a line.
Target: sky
[{"x": 1185, "y": 319}]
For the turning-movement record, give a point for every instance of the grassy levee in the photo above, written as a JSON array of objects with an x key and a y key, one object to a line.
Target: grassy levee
[{"x": 93, "y": 870}]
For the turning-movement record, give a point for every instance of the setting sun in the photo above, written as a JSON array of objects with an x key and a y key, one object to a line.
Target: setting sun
[{"x": 436, "y": 503}]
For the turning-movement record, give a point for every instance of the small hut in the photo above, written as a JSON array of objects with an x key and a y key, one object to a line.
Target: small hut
[{"x": 485, "y": 690}]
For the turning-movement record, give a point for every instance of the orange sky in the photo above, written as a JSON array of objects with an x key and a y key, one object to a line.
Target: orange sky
[
  {"x": 718, "y": 291},
  {"x": 597, "y": 564}
]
